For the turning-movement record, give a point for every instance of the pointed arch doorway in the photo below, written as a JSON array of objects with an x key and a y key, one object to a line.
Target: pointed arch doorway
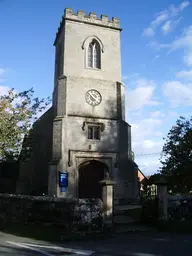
[{"x": 90, "y": 173}]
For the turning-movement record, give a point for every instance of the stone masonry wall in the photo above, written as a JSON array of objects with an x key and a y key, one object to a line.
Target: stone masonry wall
[
  {"x": 72, "y": 214},
  {"x": 180, "y": 208}
]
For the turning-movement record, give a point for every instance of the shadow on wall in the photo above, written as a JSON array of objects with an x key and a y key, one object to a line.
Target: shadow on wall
[
  {"x": 35, "y": 157},
  {"x": 115, "y": 138},
  {"x": 8, "y": 176},
  {"x": 121, "y": 139}
]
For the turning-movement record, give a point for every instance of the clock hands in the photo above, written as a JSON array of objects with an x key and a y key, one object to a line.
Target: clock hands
[
  {"x": 93, "y": 97},
  {"x": 91, "y": 94}
]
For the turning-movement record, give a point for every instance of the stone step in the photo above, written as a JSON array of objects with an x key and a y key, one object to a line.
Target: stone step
[
  {"x": 127, "y": 213},
  {"x": 133, "y": 227},
  {"x": 127, "y": 201},
  {"x": 123, "y": 219},
  {"x": 126, "y": 207}
]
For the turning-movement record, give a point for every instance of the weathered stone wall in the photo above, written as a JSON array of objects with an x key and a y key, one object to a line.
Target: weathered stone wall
[
  {"x": 70, "y": 214},
  {"x": 180, "y": 207},
  {"x": 33, "y": 172}
]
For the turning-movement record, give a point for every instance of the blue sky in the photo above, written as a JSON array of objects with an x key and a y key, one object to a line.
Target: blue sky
[{"x": 156, "y": 48}]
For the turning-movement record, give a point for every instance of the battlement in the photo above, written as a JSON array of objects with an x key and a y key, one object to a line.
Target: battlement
[{"x": 92, "y": 18}]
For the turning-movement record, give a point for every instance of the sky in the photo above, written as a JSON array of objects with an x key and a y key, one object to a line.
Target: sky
[{"x": 156, "y": 50}]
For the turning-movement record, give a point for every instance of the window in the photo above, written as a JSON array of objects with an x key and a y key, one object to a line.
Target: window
[
  {"x": 94, "y": 55},
  {"x": 94, "y": 132}
]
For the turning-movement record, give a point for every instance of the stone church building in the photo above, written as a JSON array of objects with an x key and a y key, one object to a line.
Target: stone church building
[{"x": 84, "y": 134}]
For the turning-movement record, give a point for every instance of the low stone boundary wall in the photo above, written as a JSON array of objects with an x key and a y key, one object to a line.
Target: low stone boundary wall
[
  {"x": 180, "y": 207},
  {"x": 68, "y": 213}
]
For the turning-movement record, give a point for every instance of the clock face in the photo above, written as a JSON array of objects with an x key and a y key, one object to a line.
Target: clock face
[{"x": 93, "y": 97}]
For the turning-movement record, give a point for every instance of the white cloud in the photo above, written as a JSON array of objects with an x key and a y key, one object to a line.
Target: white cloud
[
  {"x": 188, "y": 57},
  {"x": 130, "y": 76},
  {"x": 4, "y": 90},
  {"x": 141, "y": 96},
  {"x": 156, "y": 57},
  {"x": 169, "y": 26},
  {"x": 179, "y": 94},
  {"x": 148, "y": 32},
  {"x": 184, "y": 42},
  {"x": 160, "y": 17},
  {"x": 147, "y": 144},
  {"x": 166, "y": 18},
  {"x": 145, "y": 128},
  {"x": 156, "y": 114},
  {"x": 147, "y": 135},
  {"x": 171, "y": 12},
  {"x": 149, "y": 165},
  {"x": 159, "y": 134},
  {"x": 173, "y": 114},
  {"x": 158, "y": 46},
  {"x": 184, "y": 4},
  {"x": 148, "y": 147},
  {"x": 146, "y": 132},
  {"x": 185, "y": 74},
  {"x": 147, "y": 155},
  {"x": 2, "y": 71}
]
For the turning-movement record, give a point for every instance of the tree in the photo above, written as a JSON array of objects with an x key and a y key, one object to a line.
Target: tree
[
  {"x": 177, "y": 154},
  {"x": 18, "y": 112}
]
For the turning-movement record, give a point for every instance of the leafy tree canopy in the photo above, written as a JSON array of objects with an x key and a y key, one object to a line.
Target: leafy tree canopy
[
  {"x": 18, "y": 112},
  {"x": 177, "y": 156}
]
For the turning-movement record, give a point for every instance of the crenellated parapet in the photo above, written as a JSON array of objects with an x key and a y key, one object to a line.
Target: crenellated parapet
[{"x": 92, "y": 18}]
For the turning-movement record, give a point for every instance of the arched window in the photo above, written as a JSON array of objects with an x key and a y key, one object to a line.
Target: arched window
[{"x": 94, "y": 55}]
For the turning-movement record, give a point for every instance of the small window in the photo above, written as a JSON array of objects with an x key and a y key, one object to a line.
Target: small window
[
  {"x": 94, "y": 132},
  {"x": 94, "y": 55}
]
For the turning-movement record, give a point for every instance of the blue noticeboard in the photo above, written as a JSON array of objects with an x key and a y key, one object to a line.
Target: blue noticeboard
[{"x": 63, "y": 180}]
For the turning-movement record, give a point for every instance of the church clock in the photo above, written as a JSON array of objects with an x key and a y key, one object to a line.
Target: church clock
[{"x": 93, "y": 97}]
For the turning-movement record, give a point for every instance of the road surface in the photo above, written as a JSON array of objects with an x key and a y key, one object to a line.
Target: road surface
[{"x": 132, "y": 244}]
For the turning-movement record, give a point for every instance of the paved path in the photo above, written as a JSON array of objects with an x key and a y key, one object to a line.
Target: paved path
[
  {"x": 13, "y": 245},
  {"x": 132, "y": 244},
  {"x": 144, "y": 244}
]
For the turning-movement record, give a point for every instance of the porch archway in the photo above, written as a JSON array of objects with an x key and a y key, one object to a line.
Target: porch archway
[{"x": 90, "y": 173}]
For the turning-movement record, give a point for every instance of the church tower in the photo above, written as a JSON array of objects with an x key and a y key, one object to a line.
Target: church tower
[{"x": 90, "y": 136}]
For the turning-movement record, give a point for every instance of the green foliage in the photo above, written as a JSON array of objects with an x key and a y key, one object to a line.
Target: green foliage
[
  {"x": 154, "y": 178},
  {"x": 18, "y": 112},
  {"x": 177, "y": 154}
]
